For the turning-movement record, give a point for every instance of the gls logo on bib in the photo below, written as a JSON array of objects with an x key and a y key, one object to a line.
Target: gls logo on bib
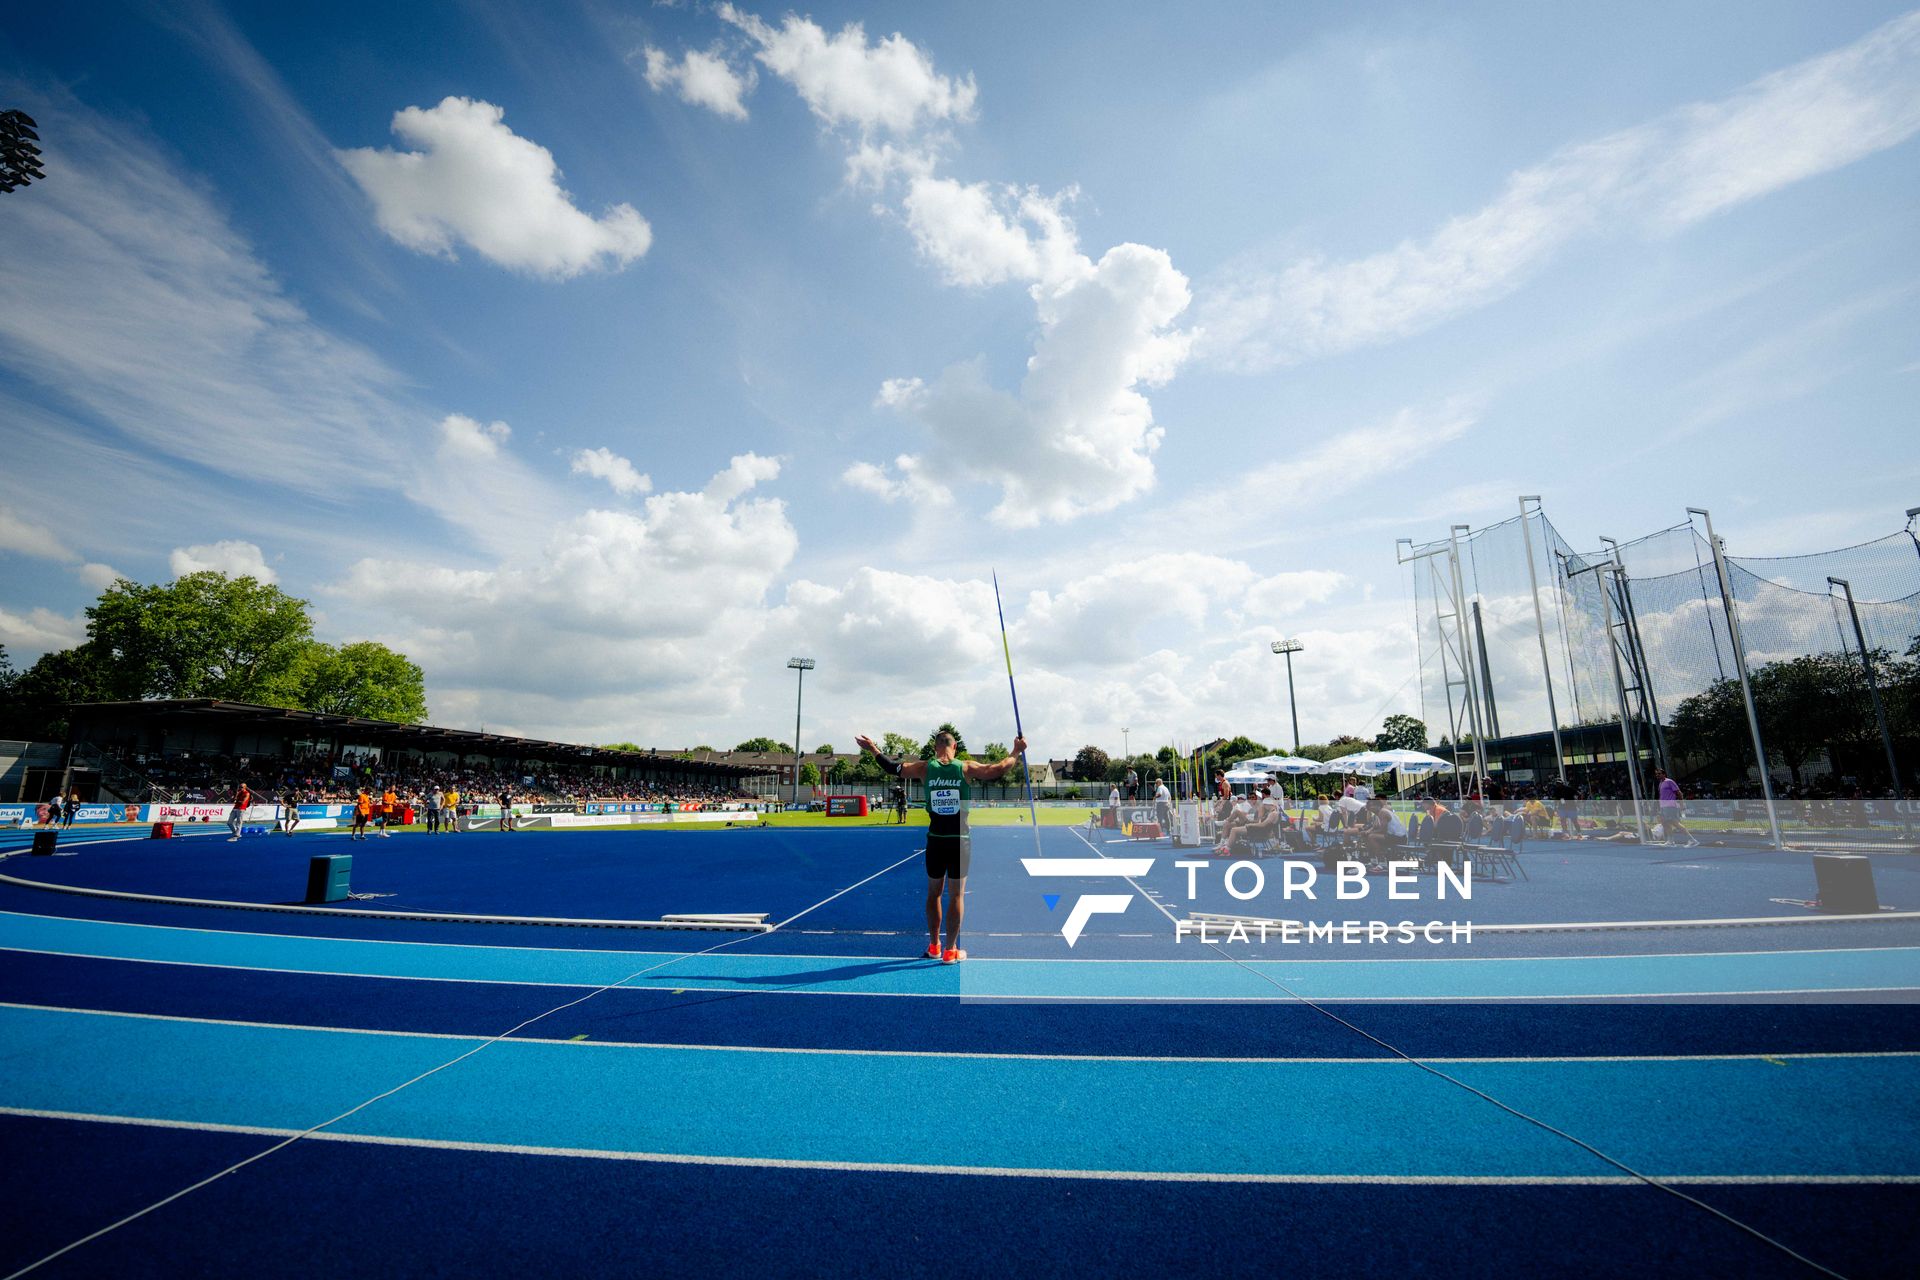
[{"x": 945, "y": 801}]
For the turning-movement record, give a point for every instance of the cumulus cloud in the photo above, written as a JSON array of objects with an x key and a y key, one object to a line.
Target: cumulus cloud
[
  {"x": 98, "y": 576},
  {"x": 658, "y": 600},
  {"x": 703, "y": 79},
  {"x": 1079, "y": 436},
  {"x": 620, "y": 474},
  {"x": 888, "y": 84},
  {"x": 1654, "y": 178},
  {"x": 26, "y": 538},
  {"x": 906, "y": 482},
  {"x": 232, "y": 557},
  {"x": 28, "y": 635},
  {"x": 471, "y": 180}
]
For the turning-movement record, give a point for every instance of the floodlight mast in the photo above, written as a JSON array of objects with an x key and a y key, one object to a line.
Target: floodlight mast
[
  {"x": 800, "y": 667},
  {"x": 1289, "y": 647}
]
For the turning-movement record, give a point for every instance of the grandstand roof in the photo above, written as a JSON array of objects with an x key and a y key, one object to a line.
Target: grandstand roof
[{"x": 251, "y": 717}]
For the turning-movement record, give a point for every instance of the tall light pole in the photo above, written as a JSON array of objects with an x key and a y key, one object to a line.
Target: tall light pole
[
  {"x": 800, "y": 667},
  {"x": 1291, "y": 647}
]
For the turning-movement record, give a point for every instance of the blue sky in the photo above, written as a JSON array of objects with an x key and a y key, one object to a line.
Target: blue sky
[{"x": 601, "y": 356}]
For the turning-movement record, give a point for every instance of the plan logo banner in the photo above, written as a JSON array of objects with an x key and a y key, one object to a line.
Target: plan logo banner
[{"x": 1088, "y": 905}]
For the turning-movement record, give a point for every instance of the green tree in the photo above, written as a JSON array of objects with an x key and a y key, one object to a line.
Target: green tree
[
  {"x": 842, "y": 772},
  {"x": 1090, "y": 764},
  {"x": 994, "y": 752},
  {"x": 1401, "y": 733},
  {"x": 763, "y": 745},
  {"x": 809, "y": 775},
  {"x": 364, "y": 679},
  {"x": 34, "y": 698},
  {"x": 7, "y": 674},
  {"x": 898, "y": 746},
  {"x": 203, "y": 635},
  {"x": 959, "y": 743},
  {"x": 621, "y": 746},
  {"x": 1241, "y": 748},
  {"x": 824, "y": 749}
]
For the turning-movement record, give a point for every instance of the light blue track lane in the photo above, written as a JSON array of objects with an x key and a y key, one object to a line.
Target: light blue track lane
[
  {"x": 740, "y": 968},
  {"x": 1374, "y": 1118}
]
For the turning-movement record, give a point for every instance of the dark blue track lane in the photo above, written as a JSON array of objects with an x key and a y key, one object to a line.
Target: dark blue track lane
[
  {"x": 1737, "y": 1088},
  {"x": 767, "y": 1020},
  {"x": 342, "y": 1209}
]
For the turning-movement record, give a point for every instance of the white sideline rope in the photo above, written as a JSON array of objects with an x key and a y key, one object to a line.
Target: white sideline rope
[{"x": 432, "y": 1071}]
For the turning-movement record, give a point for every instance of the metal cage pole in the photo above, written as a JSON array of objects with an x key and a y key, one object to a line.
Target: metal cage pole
[
  {"x": 1540, "y": 630},
  {"x": 1873, "y": 688},
  {"x": 1466, "y": 659},
  {"x": 1620, "y": 693},
  {"x": 1740, "y": 665}
]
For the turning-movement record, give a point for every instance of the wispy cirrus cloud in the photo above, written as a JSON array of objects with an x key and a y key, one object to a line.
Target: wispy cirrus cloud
[{"x": 1653, "y": 179}]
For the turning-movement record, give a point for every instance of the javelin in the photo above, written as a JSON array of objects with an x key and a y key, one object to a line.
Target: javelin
[{"x": 1026, "y": 777}]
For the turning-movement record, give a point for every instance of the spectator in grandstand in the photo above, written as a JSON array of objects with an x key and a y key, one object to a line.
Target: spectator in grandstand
[
  {"x": 1671, "y": 811},
  {"x": 242, "y": 801}
]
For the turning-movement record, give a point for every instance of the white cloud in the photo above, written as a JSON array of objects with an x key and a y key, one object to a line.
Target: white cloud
[
  {"x": 661, "y": 601},
  {"x": 620, "y": 474},
  {"x": 910, "y": 484},
  {"x": 468, "y": 440},
  {"x": 28, "y": 635},
  {"x": 1654, "y": 178},
  {"x": 888, "y": 84},
  {"x": 1079, "y": 437},
  {"x": 98, "y": 576},
  {"x": 965, "y": 231},
  {"x": 473, "y": 181},
  {"x": 702, "y": 79},
  {"x": 29, "y": 539},
  {"x": 232, "y": 557}
]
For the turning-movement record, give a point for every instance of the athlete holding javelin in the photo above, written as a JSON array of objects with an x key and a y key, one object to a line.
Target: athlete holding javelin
[{"x": 949, "y": 842}]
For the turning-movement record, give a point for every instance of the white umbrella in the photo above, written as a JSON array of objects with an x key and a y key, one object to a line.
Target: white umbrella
[
  {"x": 1365, "y": 762},
  {"x": 1414, "y": 762},
  {"x": 1244, "y": 774},
  {"x": 1295, "y": 765}
]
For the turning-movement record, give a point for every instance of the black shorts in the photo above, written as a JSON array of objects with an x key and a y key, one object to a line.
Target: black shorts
[{"x": 949, "y": 857}]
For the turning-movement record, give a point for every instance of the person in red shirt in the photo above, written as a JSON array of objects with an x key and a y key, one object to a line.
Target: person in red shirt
[{"x": 242, "y": 801}]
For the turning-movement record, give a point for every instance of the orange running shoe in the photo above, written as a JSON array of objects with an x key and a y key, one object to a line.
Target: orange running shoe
[
  {"x": 933, "y": 951},
  {"x": 954, "y": 956}
]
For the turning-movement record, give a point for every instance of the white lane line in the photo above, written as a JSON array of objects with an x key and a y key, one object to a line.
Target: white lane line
[{"x": 1112, "y": 1175}]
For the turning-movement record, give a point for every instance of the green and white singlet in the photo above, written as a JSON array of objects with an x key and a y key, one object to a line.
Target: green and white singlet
[{"x": 949, "y": 842}]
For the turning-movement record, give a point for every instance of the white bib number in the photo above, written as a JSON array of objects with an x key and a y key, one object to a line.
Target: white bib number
[{"x": 946, "y": 801}]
